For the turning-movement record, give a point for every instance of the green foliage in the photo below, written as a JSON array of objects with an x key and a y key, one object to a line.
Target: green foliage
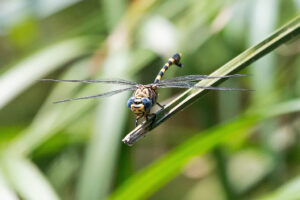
[{"x": 150, "y": 179}]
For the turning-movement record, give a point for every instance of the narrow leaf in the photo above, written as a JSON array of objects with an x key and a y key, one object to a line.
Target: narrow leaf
[
  {"x": 288, "y": 191},
  {"x": 24, "y": 74},
  {"x": 152, "y": 178},
  {"x": 5, "y": 191},
  {"x": 26, "y": 178}
]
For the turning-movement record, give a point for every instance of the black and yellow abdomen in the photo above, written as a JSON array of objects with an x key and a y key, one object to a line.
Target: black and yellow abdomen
[{"x": 175, "y": 59}]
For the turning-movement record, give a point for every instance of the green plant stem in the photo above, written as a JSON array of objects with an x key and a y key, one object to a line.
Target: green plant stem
[{"x": 221, "y": 162}]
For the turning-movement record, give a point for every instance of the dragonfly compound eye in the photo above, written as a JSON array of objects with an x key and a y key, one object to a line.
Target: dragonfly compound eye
[
  {"x": 130, "y": 101},
  {"x": 147, "y": 103}
]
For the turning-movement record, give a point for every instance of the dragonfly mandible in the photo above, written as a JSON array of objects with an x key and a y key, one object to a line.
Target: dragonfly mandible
[{"x": 145, "y": 95}]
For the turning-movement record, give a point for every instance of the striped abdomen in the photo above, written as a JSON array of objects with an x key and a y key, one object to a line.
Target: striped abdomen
[{"x": 175, "y": 59}]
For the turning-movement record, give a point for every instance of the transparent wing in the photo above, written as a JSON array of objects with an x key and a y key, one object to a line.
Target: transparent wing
[
  {"x": 192, "y": 78},
  {"x": 106, "y": 94},
  {"x": 193, "y": 85},
  {"x": 106, "y": 81}
]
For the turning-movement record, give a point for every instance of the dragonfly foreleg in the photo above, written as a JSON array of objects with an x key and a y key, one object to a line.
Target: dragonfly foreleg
[
  {"x": 161, "y": 106},
  {"x": 137, "y": 121}
]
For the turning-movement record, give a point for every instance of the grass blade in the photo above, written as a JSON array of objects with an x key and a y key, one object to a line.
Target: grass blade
[
  {"x": 100, "y": 157},
  {"x": 288, "y": 191},
  {"x": 28, "y": 181},
  {"x": 284, "y": 34},
  {"x": 5, "y": 191},
  {"x": 152, "y": 178},
  {"x": 27, "y": 72}
]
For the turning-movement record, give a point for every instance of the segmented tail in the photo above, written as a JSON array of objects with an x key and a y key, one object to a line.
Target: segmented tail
[{"x": 175, "y": 59}]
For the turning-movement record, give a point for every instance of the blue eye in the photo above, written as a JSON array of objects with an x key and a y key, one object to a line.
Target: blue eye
[
  {"x": 147, "y": 103},
  {"x": 130, "y": 101}
]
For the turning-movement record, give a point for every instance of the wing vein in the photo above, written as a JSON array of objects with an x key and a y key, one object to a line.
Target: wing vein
[
  {"x": 192, "y": 78},
  {"x": 106, "y": 81},
  {"x": 106, "y": 94},
  {"x": 202, "y": 87}
]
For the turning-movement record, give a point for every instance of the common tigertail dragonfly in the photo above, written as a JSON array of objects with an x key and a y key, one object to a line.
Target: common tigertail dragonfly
[{"x": 145, "y": 96}]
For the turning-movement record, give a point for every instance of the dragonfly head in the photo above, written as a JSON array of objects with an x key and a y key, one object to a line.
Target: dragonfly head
[{"x": 139, "y": 105}]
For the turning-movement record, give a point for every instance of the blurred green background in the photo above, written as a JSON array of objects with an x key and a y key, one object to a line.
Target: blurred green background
[{"x": 218, "y": 148}]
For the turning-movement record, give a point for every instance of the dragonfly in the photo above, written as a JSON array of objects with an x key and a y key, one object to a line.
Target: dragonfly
[{"x": 145, "y": 95}]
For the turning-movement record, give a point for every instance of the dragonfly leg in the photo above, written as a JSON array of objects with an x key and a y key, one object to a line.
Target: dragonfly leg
[
  {"x": 161, "y": 106},
  {"x": 137, "y": 120}
]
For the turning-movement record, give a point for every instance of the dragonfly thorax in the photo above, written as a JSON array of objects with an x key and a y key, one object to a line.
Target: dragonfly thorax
[{"x": 142, "y": 101}]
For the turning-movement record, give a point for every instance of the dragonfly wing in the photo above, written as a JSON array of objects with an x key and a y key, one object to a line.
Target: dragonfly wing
[
  {"x": 192, "y": 85},
  {"x": 106, "y": 94},
  {"x": 105, "y": 81},
  {"x": 196, "y": 78}
]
